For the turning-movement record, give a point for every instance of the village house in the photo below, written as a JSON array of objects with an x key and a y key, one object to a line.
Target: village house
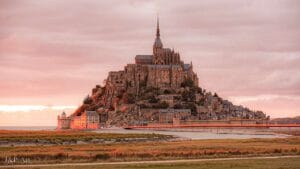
[{"x": 87, "y": 120}]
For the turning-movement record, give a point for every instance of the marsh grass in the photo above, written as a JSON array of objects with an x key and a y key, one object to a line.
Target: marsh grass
[
  {"x": 57, "y": 137},
  {"x": 155, "y": 150}
]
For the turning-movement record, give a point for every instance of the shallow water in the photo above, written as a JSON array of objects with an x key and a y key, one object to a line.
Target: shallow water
[
  {"x": 193, "y": 134},
  {"x": 202, "y": 134}
]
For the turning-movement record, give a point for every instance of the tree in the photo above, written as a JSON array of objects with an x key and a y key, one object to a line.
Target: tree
[
  {"x": 178, "y": 106},
  {"x": 162, "y": 105},
  {"x": 185, "y": 95},
  {"x": 153, "y": 99},
  {"x": 187, "y": 83},
  {"x": 87, "y": 100},
  {"x": 201, "y": 102},
  {"x": 188, "y": 95},
  {"x": 199, "y": 90},
  {"x": 167, "y": 91},
  {"x": 193, "y": 108}
]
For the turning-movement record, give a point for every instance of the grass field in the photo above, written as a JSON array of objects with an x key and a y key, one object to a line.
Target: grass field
[
  {"x": 56, "y": 137},
  {"x": 284, "y": 163},
  {"x": 154, "y": 150}
]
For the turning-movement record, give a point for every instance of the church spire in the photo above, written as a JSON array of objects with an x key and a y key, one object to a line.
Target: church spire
[
  {"x": 157, "y": 43},
  {"x": 157, "y": 28}
]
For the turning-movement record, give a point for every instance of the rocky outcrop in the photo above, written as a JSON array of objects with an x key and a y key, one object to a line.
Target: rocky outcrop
[
  {"x": 157, "y": 88},
  {"x": 125, "y": 107}
]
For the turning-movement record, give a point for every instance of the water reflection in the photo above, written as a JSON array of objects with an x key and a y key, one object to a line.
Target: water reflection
[{"x": 199, "y": 134}]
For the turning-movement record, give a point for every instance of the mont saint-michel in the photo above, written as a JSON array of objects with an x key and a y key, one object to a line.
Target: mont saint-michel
[{"x": 159, "y": 88}]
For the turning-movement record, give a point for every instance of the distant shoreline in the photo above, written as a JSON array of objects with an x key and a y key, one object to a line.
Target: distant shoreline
[{"x": 27, "y": 127}]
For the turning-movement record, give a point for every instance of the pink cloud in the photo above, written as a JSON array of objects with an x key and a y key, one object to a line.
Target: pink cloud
[{"x": 54, "y": 52}]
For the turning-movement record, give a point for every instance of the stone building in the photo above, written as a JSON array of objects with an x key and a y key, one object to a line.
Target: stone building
[
  {"x": 63, "y": 122},
  {"x": 163, "y": 69},
  {"x": 168, "y": 115},
  {"x": 87, "y": 120},
  {"x": 157, "y": 87}
]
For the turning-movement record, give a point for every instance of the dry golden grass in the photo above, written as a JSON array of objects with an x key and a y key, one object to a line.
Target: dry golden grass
[{"x": 156, "y": 150}]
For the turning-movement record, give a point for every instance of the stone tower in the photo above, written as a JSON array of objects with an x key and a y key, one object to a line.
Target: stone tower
[{"x": 163, "y": 56}]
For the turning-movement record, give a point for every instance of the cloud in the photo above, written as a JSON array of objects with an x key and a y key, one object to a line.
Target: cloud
[
  {"x": 32, "y": 115},
  {"x": 28, "y": 108},
  {"x": 54, "y": 52},
  {"x": 244, "y": 99},
  {"x": 279, "y": 105}
]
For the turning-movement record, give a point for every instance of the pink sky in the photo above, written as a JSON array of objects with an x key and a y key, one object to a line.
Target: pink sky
[{"x": 53, "y": 52}]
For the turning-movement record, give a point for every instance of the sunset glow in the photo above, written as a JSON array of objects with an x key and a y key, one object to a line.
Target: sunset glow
[
  {"x": 28, "y": 108},
  {"x": 52, "y": 53}
]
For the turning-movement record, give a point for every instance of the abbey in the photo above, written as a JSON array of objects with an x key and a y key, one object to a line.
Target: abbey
[
  {"x": 157, "y": 89},
  {"x": 163, "y": 69}
]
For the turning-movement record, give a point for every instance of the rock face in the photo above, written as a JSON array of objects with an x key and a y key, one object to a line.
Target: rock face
[{"x": 157, "y": 88}]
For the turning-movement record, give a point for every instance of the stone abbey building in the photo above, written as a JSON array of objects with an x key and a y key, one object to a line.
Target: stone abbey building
[
  {"x": 163, "y": 69},
  {"x": 157, "y": 88}
]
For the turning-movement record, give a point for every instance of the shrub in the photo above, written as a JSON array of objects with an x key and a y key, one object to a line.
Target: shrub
[
  {"x": 102, "y": 156},
  {"x": 153, "y": 99},
  {"x": 188, "y": 95},
  {"x": 87, "y": 100},
  {"x": 277, "y": 150},
  {"x": 178, "y": 106},
  {"x": 199, "y": 90},
  {"x": 167, "y": 91},
  {"x": 187, "y": 83},
  {"x": 143, "y": 106},
  {"x": 163, "y": 105},
  {"x": 94, "y": 90},
  {"x": 60, "y": 156},
  {"x": 201, "y": 102},
  {"x": 193, "y": 108}
]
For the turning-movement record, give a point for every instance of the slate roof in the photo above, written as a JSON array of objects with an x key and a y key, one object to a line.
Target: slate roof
[
  {"x": 144, "y": 57},
  {"x": 91, "y": 113},
  {"x": 163, "y": 66},
  {"x": 186, "y": 66}
]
